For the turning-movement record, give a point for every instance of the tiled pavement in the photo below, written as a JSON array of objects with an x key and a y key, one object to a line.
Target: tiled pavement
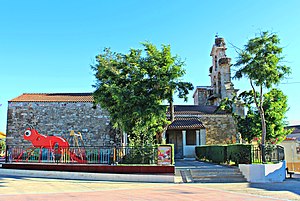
[
  {"x": 24, "y": 188},
  {"x": 53, "y": 189}
]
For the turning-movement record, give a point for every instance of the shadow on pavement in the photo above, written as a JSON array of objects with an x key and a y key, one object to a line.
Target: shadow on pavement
[{"x": 291, "y": 185}]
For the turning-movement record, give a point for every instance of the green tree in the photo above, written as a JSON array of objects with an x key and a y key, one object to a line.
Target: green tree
[
  {"x": 133, "y": 86},
  {"x": 261, "y": 62},
  {"x": 275, "y": 106},
  {"x": 250, "y": 125}
]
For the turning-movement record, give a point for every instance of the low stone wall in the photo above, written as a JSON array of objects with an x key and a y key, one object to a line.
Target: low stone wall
[
  {"x": 59, "y": 118},
  {"x": 123, "y": 169},
  {"x": 159, "y": 174}
]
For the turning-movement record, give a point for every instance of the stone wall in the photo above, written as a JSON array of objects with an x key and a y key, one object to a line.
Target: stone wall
[
  {"x": 58, "y": 119},
  {"x": 202, "y": 96},
  {"x": 220, "y": 129}
]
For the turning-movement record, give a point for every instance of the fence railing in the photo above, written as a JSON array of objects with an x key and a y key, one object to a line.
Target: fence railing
[
  {"x": 273, "y": 153},
  {"x": 239, "y": 153},
  {"x": 83, "y": 155}
]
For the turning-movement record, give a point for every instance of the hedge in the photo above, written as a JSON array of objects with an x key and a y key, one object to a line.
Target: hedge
[{"x": 237, "y": 153}]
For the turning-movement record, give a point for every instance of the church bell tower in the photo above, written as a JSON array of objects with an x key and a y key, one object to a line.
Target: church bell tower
[{"x": 219, "y": 73}]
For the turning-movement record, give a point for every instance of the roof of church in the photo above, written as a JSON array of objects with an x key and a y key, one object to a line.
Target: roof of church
[
  {"x": 195, "y": 109},
  {"x": 54, "y": 97},
  {"x": 88, "y": 97},
  {"x": 186, "y": 123}
]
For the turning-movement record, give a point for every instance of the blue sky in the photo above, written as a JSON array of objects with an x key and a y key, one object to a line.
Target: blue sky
[{"x": 48, "y": 46}]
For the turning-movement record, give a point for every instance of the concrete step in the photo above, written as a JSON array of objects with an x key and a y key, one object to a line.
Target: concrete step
[
  {"x": 215, "y": 175},
  {"x": 219, "y": 180},
  {"x": 209, "y": 173},
  {"x": 215, "y": 172},
  {"x": 208, "y": 169}
]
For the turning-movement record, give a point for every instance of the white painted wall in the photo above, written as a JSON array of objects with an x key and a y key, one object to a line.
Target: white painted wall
[
  {"x": 189, "y": 151},
  {"x": 264, "y": 173},
  {"x": 202, "y": 137}
]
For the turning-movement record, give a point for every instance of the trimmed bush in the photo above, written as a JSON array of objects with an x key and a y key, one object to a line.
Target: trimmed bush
[
  {"x": 212, "y": 153},
  {"x": 238, "y": 153},
  {"x": 201, "y": 152}
]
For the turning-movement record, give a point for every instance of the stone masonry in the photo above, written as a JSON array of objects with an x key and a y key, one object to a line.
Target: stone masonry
[
  {"x": 220, "y": 129},
  {"x": 58, "y": 119}
]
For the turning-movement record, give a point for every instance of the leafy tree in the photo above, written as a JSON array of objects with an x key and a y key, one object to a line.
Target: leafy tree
[
  {"x": 250, "y": 125},
  {"x": 261, "y": 62},
  {"x": 133, "y": 86},
  {"x": 275, "y": 107}
]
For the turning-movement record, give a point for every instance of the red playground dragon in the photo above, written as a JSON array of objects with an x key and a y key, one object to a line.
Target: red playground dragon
[
  {"x": 53, "y": 143},
  {"x": 43, "y": 141}
]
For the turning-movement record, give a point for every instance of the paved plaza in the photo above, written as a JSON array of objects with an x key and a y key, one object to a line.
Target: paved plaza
[
  {"x": 25, "y": 188},
  {"x": 31, "y": 188}
]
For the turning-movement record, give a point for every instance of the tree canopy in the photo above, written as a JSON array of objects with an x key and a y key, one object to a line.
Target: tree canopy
[
  {"x": 261, "y": 62},
  {"x": 275, "y": 106},
  {"x": 133, "y": 86}
]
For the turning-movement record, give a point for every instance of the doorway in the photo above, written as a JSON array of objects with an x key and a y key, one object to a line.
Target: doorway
[{"x": 175, "y": 137}]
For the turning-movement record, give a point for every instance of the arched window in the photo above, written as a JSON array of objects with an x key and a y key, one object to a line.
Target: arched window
[{"x": 216, "y": 63}]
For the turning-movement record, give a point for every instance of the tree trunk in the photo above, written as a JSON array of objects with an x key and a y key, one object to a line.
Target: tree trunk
[
  {"x": 260, "y": 108},
  {"x": 262, "y": 116},
  {"x": 171, "y": 111},
  {"x": 263, "y": 128},
  {"x": 263, "y": 135},
  {"x": 172, "y": 117}
]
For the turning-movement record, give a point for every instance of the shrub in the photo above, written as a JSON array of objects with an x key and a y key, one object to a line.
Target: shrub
[
  {"x": 140, "y": 155},
  {"x": 212, "y": 153},
  {"x": 239, "y": 153}
]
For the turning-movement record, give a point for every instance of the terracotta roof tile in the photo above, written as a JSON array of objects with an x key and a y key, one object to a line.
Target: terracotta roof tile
[
  {"x": 186, "y": 123},
  {"x": 54, "y": 97},
  {"x": 195, "y": 110}
]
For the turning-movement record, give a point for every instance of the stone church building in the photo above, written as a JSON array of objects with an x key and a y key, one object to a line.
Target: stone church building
[{"x": 198, "y": 124}]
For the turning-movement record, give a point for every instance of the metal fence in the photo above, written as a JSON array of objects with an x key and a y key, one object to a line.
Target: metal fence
[
  {"x": 83, "y": 155},
  {"x": 273, "y": 153}
]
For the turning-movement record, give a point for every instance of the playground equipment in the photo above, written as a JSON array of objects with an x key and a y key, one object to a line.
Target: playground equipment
[
  {"x": 76, "y": 139},
  {"x": 56, "y": 145},
  {"x": 77, "y": 143}
]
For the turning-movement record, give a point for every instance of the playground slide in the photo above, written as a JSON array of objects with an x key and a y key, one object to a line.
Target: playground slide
[{"x": 78, "y": 159}]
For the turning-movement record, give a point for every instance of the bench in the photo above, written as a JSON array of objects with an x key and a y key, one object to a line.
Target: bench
[{"x": 289, "y": 172}]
